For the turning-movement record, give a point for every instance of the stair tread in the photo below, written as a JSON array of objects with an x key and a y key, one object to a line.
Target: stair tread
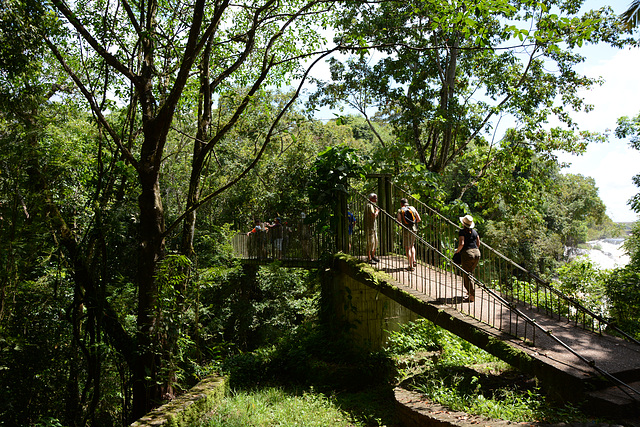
[{"x": 618, "y": 394}]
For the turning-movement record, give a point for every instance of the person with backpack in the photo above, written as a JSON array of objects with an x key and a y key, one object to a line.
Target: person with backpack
[
  {"x": 469, "y": 248},
  {"x": 409, "y": 217}
]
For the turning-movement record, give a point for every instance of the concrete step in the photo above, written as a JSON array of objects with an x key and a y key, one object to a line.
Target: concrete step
[
  {"x": 600, "y": 382},
  {"x": 615, "y": 401}
]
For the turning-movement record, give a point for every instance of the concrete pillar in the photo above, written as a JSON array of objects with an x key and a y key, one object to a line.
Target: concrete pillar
[{"x": 352, "y": 307}]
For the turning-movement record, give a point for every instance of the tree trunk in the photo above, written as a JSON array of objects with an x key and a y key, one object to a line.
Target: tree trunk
[
  {"x": 446, "y": 94},
  {"x": 146, "y": 391},
  {"x": 204, "y": 121}
]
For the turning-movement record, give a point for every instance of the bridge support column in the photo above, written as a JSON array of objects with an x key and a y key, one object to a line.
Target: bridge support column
[
  {"x": 248, "y": 287},
  {"x": 361, "y": 311}
]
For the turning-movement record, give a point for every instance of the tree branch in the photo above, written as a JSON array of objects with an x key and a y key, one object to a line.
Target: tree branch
[
  {"x": 110, "y": 59},
  {"x": 257, "y": 158},
  {"x": 496, "y": 108},
  {"x": 92, "y": 102}
]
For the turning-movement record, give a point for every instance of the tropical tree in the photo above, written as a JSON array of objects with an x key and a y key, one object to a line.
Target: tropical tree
[
  {"x": 446, "y": 74},
  {"x": 631, "y": 16},
  {"x": 622, "y": 285},
  {"x": 530, "y": 211},
  {"x": 44, "y": 144},
  {"x": 140, "y": 66},
  {"x": 53, "y": 342},
  {"x": 630, "y": 128}
]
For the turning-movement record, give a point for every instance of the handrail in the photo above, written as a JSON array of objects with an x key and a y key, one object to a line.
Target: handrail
[
  {"x": 489, "y": 293},
  {"x": 449, "y": 264},
  {"x": 299, "y": 240},
  {"x": 569, "y": 300},
  {"x": 302, "y": 241}
]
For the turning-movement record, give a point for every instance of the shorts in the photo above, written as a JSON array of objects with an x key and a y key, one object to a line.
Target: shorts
[
  {"x": 408, "y": 238},
  {"x": 372, "y": 241}
]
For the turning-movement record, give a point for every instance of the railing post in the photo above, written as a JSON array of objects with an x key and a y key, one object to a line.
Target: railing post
[
  {"x": 342, "y": 224},
  {"x": 385, "y": 201}
]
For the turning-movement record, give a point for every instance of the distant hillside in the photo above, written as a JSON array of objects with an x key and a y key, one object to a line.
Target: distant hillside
[{"x": 609, "y": 230}]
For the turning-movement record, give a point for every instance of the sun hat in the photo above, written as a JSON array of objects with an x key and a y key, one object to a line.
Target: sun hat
[{"x": 467, "y": 221}]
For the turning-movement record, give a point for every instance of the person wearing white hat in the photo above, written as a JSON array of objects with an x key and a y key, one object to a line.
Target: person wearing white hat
[{"x": 469, "y": 248}]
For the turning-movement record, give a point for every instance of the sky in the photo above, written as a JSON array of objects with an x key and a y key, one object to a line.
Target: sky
[{"x": 612, "y": 164}]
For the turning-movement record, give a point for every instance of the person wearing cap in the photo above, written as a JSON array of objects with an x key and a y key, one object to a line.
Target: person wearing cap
[
  {"x": 255, "y": 242},
  {"x": 408, "y": 231},
  {"x": 469, "y": 248},
  {"x": 370, "y": 226}
]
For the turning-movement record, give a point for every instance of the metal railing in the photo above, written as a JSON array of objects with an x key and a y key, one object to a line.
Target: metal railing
[
  {"x": 437, "y": 276},
  {"x": 515, "y": 283},
  {"x": 503, "y": 288},
  {"x": 300, "y": 240}
]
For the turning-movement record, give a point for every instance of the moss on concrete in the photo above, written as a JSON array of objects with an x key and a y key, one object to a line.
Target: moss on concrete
[
  {"x": 498, "y": 343},
  {"x": 187, "y": 408}
]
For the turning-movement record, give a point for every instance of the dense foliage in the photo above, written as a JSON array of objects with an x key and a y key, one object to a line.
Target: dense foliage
[
  {"x": 136, "y": 138},
  {"x": 623, "y": 284},
  {"x": 445, "y": 74}
]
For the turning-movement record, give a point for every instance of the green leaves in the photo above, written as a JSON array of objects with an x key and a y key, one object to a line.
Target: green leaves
[
  {"x": 332, "y": 170},
  {"x": 630, "y": 128},
  {"x": 446, "y": 72},
  {"x": 23, "y": 24}
]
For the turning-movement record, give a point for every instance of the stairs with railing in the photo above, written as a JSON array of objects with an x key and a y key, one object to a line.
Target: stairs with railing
[
  {"x": 551, "y": 327},
  {"x": 558, "y": 329}
]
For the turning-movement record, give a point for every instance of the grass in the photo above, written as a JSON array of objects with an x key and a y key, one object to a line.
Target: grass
[
  {"x": 293, "y": 386},
  {"x": 465, "y": 378},
  {"x": 273, "y": 406},
  {"x": 492, "y": 395}
]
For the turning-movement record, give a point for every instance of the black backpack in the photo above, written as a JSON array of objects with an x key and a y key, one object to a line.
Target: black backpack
[{"x": 408, "y": 218}]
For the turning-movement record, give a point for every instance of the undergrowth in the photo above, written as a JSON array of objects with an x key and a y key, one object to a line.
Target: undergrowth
[
  {"x": 312, "y": 362},
  {"x": 310, "y": 378},
  {"x": 463, "y": 377}
]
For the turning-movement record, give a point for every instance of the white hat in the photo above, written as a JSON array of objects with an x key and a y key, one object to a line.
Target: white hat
[{"x": 467, "y": 221}]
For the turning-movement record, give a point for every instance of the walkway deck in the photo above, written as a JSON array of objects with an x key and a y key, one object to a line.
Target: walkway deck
[
  {"x": 616, "y": 356},
  {"x": 560, "y": 338}
]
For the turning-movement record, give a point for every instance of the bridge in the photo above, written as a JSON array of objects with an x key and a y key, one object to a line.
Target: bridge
[{"x": 574, "y": 352}]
